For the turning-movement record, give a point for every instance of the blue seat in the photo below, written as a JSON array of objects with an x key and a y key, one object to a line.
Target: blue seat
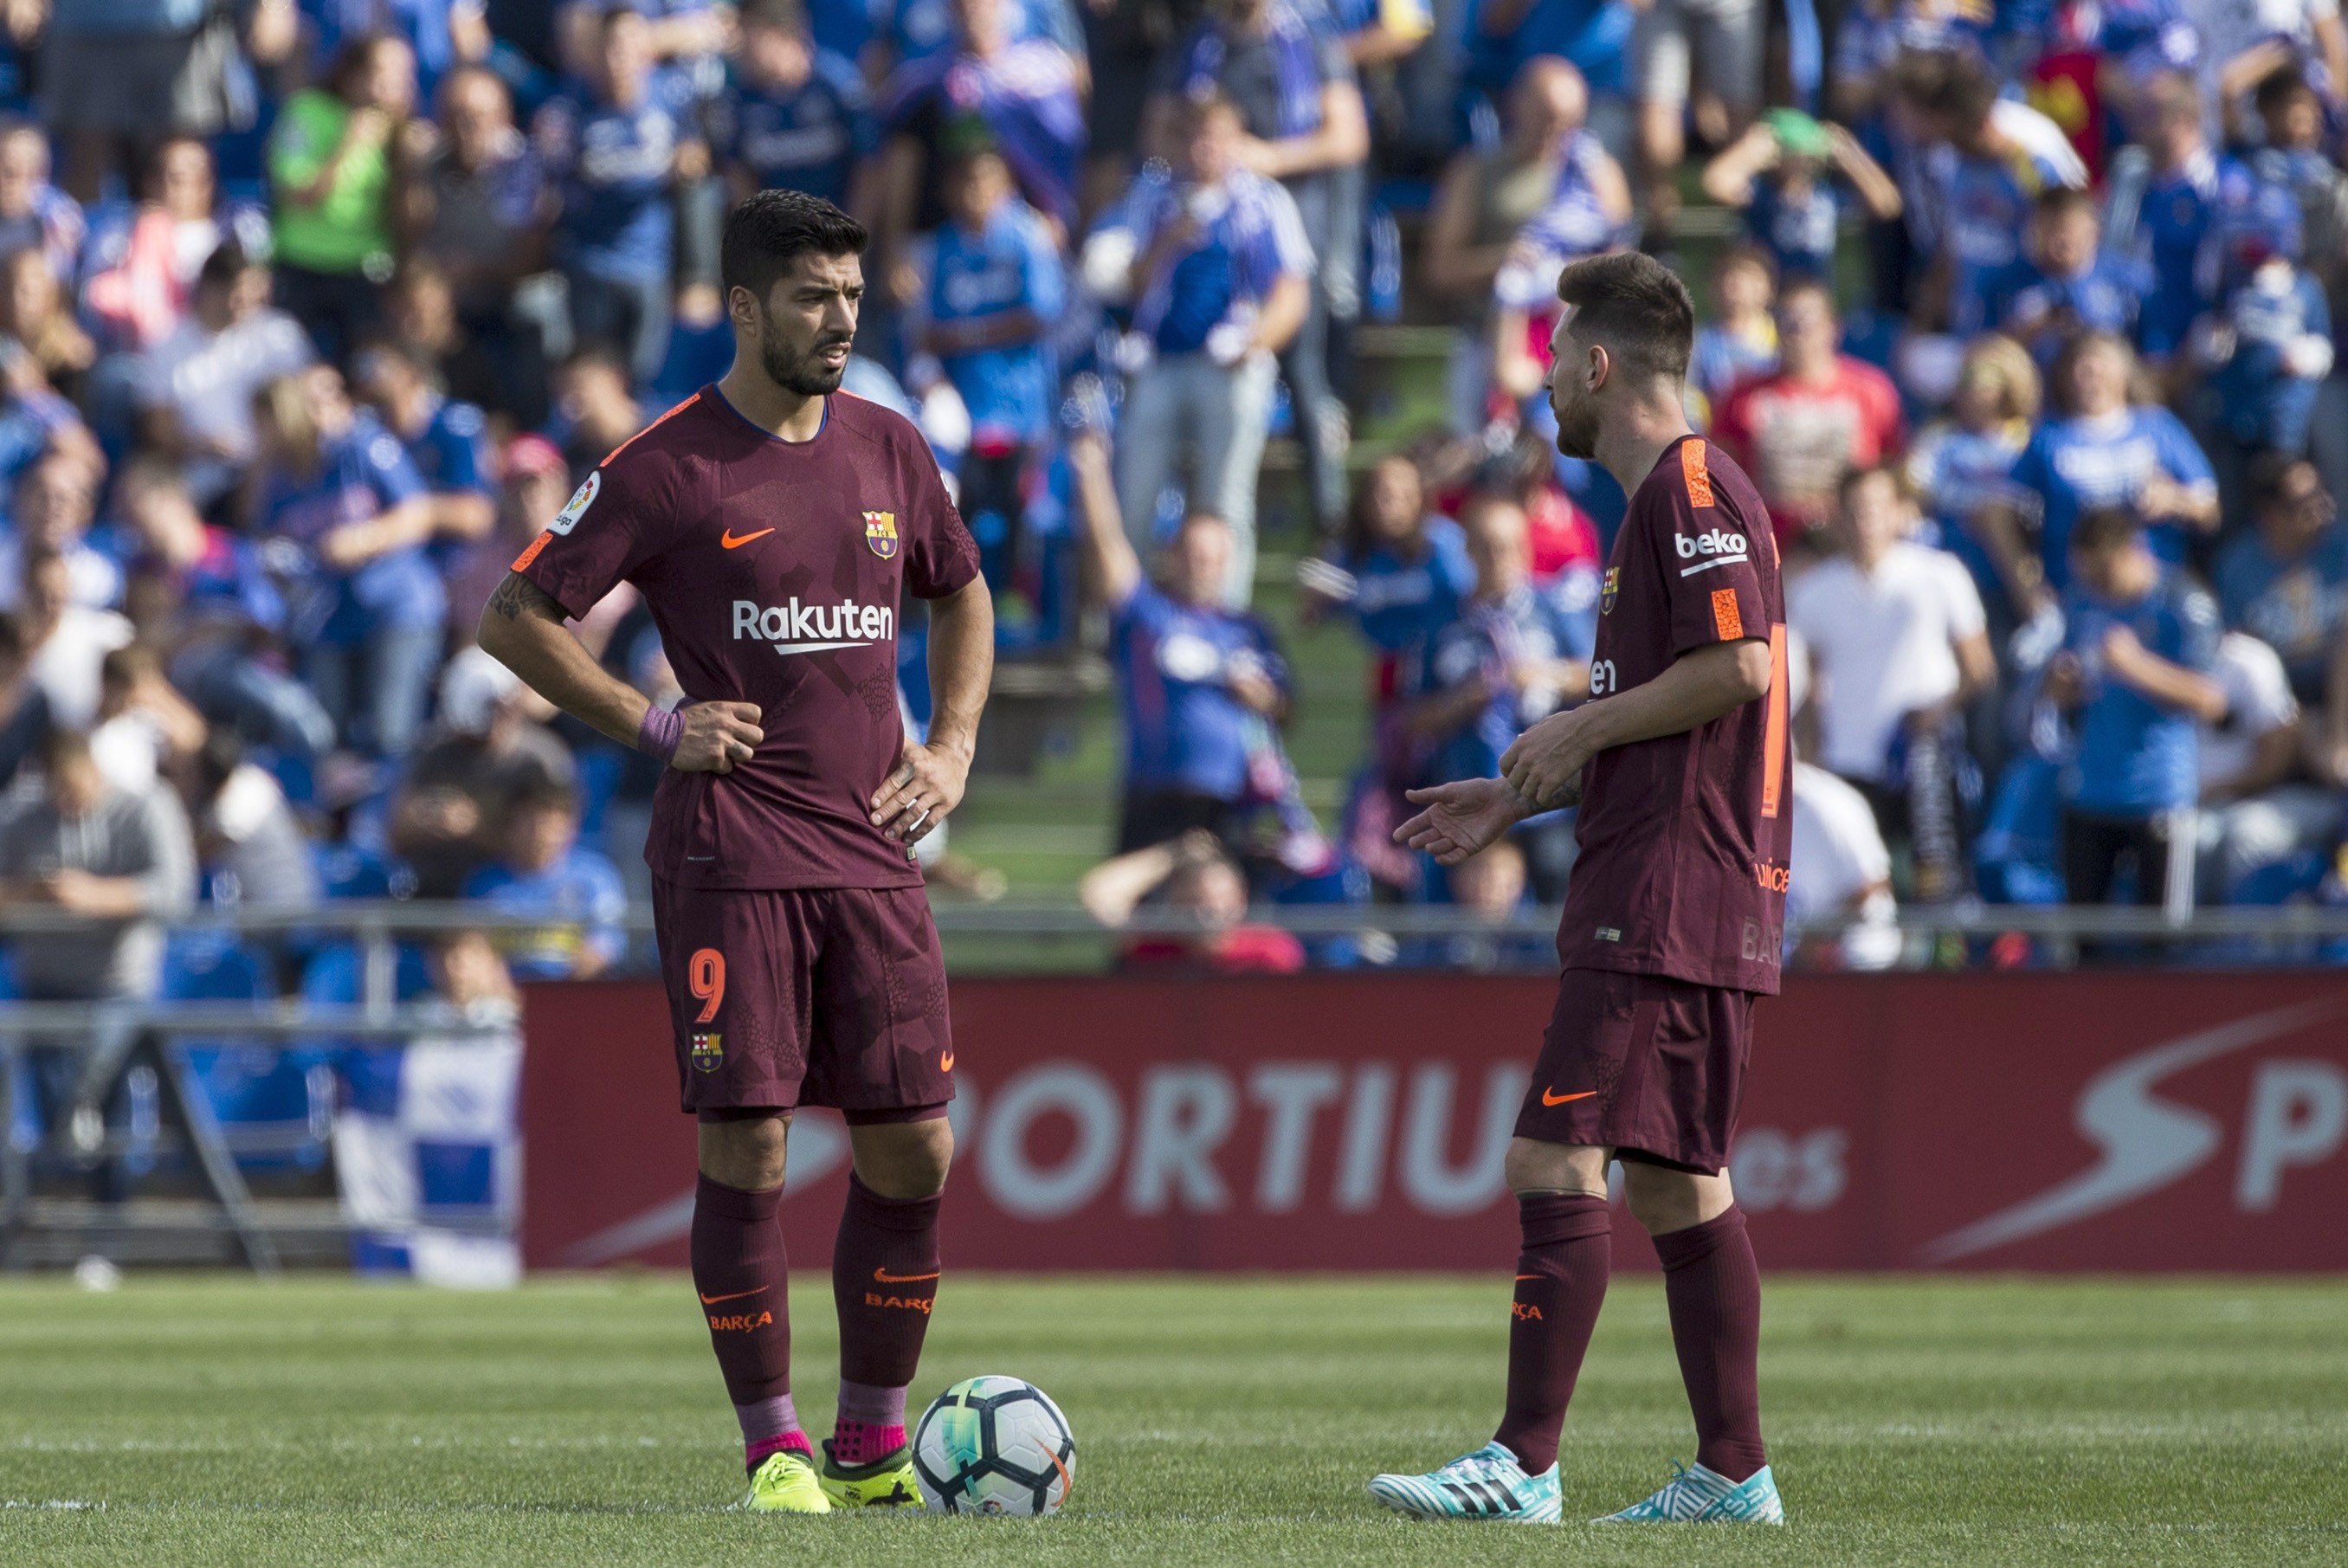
[{"x": 273, "y": 1105}]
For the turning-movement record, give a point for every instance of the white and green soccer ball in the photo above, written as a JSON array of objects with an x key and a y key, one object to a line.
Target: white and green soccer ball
[{"x": 994, "y": 1444}]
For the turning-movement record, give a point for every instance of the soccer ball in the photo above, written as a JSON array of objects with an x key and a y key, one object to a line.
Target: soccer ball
[{"x": 994, "y": 1445}]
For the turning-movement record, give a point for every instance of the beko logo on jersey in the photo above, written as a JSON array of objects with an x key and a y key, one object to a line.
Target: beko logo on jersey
[
  {"x": 1716, "y": 546},
  {"x": 797, "y": 628}
]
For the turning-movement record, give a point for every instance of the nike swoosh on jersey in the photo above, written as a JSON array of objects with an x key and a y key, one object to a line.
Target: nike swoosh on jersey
[
  {"x": 1549, "y": 1098},
  {"x": 729, "y": 541}
]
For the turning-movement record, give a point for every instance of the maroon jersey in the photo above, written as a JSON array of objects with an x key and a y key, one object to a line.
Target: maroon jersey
[
  {"x": 774, "y": 570},
  {"x": 1684, "y": 840}
]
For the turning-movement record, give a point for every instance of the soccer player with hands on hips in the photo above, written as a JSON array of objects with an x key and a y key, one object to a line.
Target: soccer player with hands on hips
[
  {"x": 1673, "y": 919},
  {"x": 773, "y": 522}
]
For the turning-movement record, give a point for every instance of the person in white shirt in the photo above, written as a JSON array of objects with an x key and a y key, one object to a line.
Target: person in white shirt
[
  {"x": 1841, "y": 868},
  {"x": 1898, "y": 646},
  {"x": 66, "y": 642},
  {"x": 195, "y": 389},
  {"x": 2255, "y": 811}
]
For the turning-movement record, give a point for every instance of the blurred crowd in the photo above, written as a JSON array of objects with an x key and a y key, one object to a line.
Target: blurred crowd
[{"x": 313, "y": 312}]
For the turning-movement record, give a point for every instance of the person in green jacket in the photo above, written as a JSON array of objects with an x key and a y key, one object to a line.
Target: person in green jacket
[{"x": 332, "y": 159}]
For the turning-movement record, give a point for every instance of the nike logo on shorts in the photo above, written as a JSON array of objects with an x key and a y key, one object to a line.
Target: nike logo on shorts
[{"x": 1551, "y": 1097}]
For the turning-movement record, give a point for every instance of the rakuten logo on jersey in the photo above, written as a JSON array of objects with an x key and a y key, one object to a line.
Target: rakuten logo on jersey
[
  {"x": 797, "y": 628},
  {"x": 1713, "y": 547}
]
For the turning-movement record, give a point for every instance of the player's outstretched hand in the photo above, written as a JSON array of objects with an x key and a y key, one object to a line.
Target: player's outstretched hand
[
  {"x": 1463, "y": 817},
  {"x": 718, "y": 737},
  {"x": 916, "y": 797},
  {"x": 1545, "y": 764}
]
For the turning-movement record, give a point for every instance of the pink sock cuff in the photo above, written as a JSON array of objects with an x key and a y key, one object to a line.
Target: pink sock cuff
[{"x": 758, "y": 1453}]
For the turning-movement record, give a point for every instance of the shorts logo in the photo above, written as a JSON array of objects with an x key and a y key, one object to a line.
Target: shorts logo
[
  {"x": 1606, "y": 594},
  {"x": 576, "y": 508},
  {"x": 709, "y": 1052},
  {"x": 1610, "y": 934},
  {"x": 880, "y": 534}
]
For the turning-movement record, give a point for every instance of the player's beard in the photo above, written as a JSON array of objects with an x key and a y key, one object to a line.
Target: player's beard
[
  {"x": 803, "y": 373},
  {"x": 1577, "y": 425}
]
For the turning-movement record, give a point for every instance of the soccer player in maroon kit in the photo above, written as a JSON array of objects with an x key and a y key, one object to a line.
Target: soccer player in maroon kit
[
  {"x": 1671, "y": 926},
  {"x": 773, "y": 523}
]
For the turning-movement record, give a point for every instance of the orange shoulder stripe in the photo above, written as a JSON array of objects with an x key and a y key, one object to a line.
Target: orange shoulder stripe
[
  {"x": 1693, "y": 467},
  {"x": 648, "y": 429}
]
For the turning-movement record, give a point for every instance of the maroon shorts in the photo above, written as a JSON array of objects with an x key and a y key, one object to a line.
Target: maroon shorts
[
  {"x": 784, "y": 998},
  {"x": 1650, "y": 1067}
]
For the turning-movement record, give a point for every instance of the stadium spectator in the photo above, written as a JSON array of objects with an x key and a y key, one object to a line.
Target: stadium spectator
[
  {"x": 1215, "y": 268},
  {"x": 333, "y": 161},
  {"x": 991, "y": 294},
  {"x": 2285, "y": 581},
  {"x": 139, "y": 275},
  {"x": 1191, "y": 878},
  {"x": 53, "y": 509},
  {"x": 543, "y": 870},
  {"x": 120, "y": 857},
  {"x": 1283, "y": 66},
  {"x": 536, "y": 483},
  {"x": 1846, "y": 872},
  {"x": 2068, "y": 284},
  {"x": 1677, "y": 43},
  {"x": 2134, "y": 677},
  {"x": 37, "y": 314},
  {"x": 793, "y": 114},
  {"x": 2100, "y": 450},
  {"x": 479, "y": 207},
  {"x": 144, "y": 730},
  {"x": 334, "y": 483},
  {"x": 1592, "y": 36},
  {"x": 1781, "y": 174},
  {"x": 1197, "y": 682},
  {"x": 447, "y": 440},
  {"x": 593, "y": 409},
  {"x": 496, "y": 363},
  {"x": 1897, "y": 644},
  {"x": 2167, "y": 192},
  {"x": 1961, "y": 469},
  {"x": 2256, "y": 809},
  {"x": 1402, "y": 571},
  {"x": 249, "y": 841},
  {"x": 1511, "y": 660},
  {"x": 1821, "y": 413},
  {"x": 66, "y": 641},
  {"x": 35, "y": 215},
  {"x": 195, "y": 389},
  {"x": 117, "y": 76},
  {"x": 1485, "y": 200},
  {"x": 223, "y": 618},
  {"x": 24, "y": 715},
  {"x": 2268, "y": 344},
  {"x": 487, "y": 753},
  {"x": 620, "y": 147},
  {"x": 1741, "y": 340}
]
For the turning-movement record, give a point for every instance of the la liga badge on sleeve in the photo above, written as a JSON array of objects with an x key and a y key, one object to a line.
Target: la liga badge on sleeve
[{"x": 880, "y": 534}]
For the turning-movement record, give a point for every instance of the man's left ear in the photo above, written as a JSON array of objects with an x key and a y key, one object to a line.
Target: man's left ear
[{"x": 1600, "y": 365}]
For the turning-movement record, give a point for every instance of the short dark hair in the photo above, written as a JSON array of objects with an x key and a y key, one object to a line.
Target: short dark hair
[
  {"x": 2106, "y": 527},
  {"x": 228, "y": 263},
  {"x": 2057, "y": 200},
  {"x": 774, "y": 228},
  {"x": 2280, "y": 86},
  {"x": 1635, "y": 307},
  {"x": 1858, "y": 474},
  {"x": 2269, "y": 474},
  {"x": 1967, "y": 93}
]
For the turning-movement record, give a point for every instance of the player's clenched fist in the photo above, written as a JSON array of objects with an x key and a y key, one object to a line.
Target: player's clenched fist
[
  {"x": 917, "y": 796},
  {"x": 718, "y": 737},
  {"x": 1463, "y": 817}
]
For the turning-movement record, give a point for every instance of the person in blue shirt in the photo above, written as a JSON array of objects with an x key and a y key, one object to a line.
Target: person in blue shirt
[
  {"x": 446, "y": 441},
  {"x": 1401, "y": 571},
  {"x": 619, "y": 149},
  {"x": 2069, "y": 283},
  {"x": 1512, "y": 659},
  {"x": 2167, "y": 195},
  {"x": 920, "y": 29},
  {"x": 1214, "y": 264},
  {"x": 338, "y": 498},
  {"x": 1500, "y": 35},
  {"x": 1962, "y": 473},
  {"x": 444, "y": 34},
  {"x": 2285, "y": 581},
  {"x": 991, "y": 288},
  {"x": 792, "y": 116},
  {"x": 2268, "y": 344},
  {"x": 1200, "y": 686},
  {"x": 2105, "y": 452},
  {"x": 546, "y": 872},
  {"x": 1782, "y": 175},
  {"x": 2140, "y": 642}
]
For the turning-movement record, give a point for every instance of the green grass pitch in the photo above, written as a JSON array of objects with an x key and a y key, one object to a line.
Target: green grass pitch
[{"x": 185, "y": 1422}]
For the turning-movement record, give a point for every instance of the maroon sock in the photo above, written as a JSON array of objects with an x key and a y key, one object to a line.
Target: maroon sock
[
  {"x": 1715, "y": 1290},
  {"x": 1560, "y": 1285},
  {"x": 884, "y": 1277},
  {"x": 742, "y": 1276}
]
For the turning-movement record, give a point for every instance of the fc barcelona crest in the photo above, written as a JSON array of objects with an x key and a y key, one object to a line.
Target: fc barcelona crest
[
  {"x": 1606, "y": 594},
  {"x": 880, "y": 534},
  {"x": 709, "y": 1052}
]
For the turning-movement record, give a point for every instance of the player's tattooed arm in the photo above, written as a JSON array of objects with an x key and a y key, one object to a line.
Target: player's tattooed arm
[{"x": 518, "y": 596}]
